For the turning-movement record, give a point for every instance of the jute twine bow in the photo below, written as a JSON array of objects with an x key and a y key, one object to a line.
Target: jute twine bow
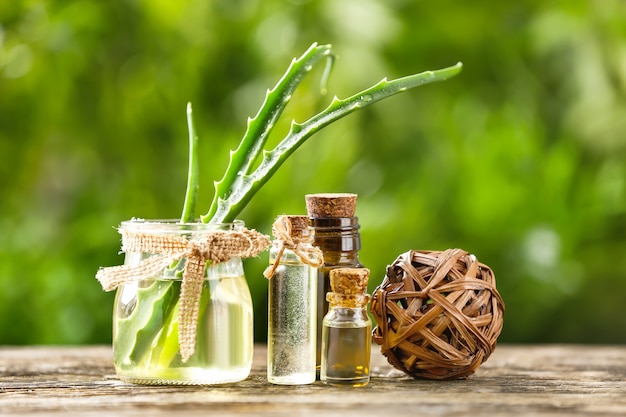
[
  {"x": 282, "y": 231},
  {"x": 215, "y": 246}
]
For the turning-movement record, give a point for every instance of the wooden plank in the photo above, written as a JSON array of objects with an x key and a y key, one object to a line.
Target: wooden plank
[{"x": 516, "y": 380}]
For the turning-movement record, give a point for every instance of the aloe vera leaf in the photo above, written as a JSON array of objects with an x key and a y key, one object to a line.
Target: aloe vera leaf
[
  {"x": 136, "y": 332},
  {"x": 145, "y": 335},
  {"x": 191, "y": 194},
  {"x": 232, "y": 201},
  {"x": 166, "y": 347},
  {"x": 260, "y": 126},
  {"x": 163, "y": 342}
]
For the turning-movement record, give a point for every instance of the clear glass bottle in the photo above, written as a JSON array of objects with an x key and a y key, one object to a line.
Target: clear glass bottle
[
  {"x": 347, "y": 328},
  {"x": 145, "y": 318},
  {"x": 336, "y": 228},
  {"x": 291, "y": 335}
]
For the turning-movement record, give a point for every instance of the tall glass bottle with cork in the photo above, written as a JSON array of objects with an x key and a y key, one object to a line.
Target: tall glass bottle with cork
[
  {"x": 336, "y": 227},
  {"x": 292, "y": 274},
  {"x": 346, "y": 331}
]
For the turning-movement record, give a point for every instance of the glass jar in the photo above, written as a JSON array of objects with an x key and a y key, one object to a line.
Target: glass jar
[{"x": 145, "y": 318}]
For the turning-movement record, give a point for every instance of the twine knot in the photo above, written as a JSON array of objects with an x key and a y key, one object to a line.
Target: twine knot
[
  {"x": 298, "y": 243},
  {"x": 214, "y": 246}
]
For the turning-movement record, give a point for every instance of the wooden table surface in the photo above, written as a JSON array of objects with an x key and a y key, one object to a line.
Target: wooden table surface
[{"x": 551, "y": 380}]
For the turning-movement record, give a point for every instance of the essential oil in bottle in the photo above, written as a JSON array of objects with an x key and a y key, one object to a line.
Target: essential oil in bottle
[
  {"x": 291, "y": 336},
  {"x": 346, "y": 330}
]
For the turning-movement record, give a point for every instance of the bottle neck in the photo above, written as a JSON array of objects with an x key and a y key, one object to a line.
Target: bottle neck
[
  {"x": 287, "y": 254},
  {"x": 355, "y": 315},
  {"x": 337, "y": 300},
  {"x": 338, "y": 238}
]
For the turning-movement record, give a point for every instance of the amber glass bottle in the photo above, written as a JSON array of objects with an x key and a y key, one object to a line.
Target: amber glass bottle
[{"x": 337, "y": 235}]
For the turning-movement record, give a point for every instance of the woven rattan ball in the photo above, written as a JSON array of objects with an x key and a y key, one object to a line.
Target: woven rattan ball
[{"x": 438, "y": 314}]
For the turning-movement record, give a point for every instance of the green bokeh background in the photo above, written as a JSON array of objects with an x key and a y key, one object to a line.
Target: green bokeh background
[{"x": 521, "y": 159}]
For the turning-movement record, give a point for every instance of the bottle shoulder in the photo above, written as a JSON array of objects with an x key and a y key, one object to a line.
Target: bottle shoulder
[
  {"x": 347, "y": 317},
  {"x": 341, "y": 259}
]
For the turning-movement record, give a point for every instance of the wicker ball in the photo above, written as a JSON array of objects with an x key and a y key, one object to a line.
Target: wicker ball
[{"x": 438, "y": 314}]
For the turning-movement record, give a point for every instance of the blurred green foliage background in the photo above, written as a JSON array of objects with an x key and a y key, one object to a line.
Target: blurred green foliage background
[{"x": 521, "y": 159}]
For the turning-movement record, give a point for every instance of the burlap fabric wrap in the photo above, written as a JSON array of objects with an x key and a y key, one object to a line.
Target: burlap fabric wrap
[
  {"x": 438, "y": 314},
  {"x": 300, "y": 245},
  {"x": 214, "y": 246}
]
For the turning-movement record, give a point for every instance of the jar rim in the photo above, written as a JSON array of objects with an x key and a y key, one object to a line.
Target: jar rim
[{"x": 175, "y": 225}]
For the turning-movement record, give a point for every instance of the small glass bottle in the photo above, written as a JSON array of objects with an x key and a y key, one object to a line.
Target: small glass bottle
[
  {"x": 332, "y": 216},
  {"x": 346, "y": 332},
  {"x": 292, "y": 274}
]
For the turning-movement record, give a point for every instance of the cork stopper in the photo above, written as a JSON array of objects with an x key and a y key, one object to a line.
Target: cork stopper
[
  {"x": 299, "y": 225},
  {"x": 331, "y": 205},
  {"x": 349, "y": 281}
]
